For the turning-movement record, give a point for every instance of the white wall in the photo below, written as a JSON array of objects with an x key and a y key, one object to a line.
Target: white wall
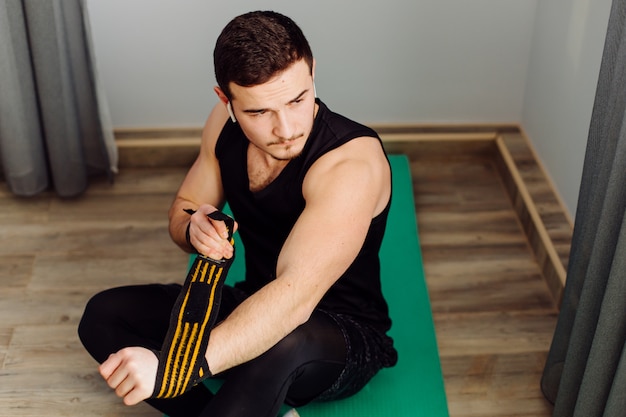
[
  {"x": 563, "y": 73},
  {"x": 417, "y": 61},
  {"x": 378, "y": 61}
]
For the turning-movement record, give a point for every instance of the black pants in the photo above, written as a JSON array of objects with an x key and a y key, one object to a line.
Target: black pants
[{"x": 328, "y": 357}]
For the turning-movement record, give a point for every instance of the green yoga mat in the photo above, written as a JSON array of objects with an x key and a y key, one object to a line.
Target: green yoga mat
[{"x": 414, "y": 387}]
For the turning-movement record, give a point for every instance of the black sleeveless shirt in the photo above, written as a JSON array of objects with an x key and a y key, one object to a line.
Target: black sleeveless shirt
[{"x": 266, "y": 217}]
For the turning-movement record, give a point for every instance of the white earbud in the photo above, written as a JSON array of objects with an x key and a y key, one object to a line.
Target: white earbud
[
  {"x": 314, "y": 90},
  {"x": 229, "y": 107}
]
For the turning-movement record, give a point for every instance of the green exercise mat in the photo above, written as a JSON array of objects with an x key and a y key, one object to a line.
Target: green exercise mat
[{"x": 414, "y": 387}]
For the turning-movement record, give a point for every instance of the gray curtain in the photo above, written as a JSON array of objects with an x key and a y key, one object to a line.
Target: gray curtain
[
  {"x": 54, "y": 127},
  {"x": 585, "y": 372}
]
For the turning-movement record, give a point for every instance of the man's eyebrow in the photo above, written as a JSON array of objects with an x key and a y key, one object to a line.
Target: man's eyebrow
[
  {"x": 298, "y": 97},
  {"x": 252, "y": 111}
]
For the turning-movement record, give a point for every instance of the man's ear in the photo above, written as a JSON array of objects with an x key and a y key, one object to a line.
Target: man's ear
[
  {"x": 224, "y": 99},
  {"x": 221, "y": 95}
]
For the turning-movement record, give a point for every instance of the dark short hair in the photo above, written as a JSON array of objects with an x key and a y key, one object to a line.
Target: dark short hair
[{"x": 256, "y": 46}]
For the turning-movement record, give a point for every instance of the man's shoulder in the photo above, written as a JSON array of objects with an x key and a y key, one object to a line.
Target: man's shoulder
[
  {"x": 338, "y": 136},
  {"x": 342, "y": 125}
]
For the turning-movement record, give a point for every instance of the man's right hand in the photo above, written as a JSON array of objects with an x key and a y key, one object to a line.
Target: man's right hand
[{"x": 208, "y": 236}]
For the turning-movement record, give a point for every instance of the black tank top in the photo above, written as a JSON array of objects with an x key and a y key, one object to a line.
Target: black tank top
[{"x": 266, "y": 217}]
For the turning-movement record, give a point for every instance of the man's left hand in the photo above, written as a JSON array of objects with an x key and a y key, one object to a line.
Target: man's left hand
[{"x": 131, "y": 372}]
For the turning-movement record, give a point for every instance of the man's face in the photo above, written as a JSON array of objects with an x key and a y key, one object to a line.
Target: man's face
[{"x": 277, "y": 116}]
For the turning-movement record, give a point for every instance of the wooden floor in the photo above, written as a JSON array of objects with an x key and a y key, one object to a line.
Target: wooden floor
[{"x": 493, "y": 311}]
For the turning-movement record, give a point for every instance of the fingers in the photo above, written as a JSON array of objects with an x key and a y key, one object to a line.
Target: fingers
[
  {"x": 133, "y": 397},
  {"x": 115, "y": 371},
  {"x": 208, "y": 236},
  {"x": 131, "y": 372},
  {"x": 109, "y": 366},
  {"x": 116, "y": 375},
  {"x": 206, "y": 239}
]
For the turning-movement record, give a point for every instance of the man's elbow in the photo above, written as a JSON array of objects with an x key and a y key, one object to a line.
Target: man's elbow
[
  {"x": 302, "y": 310},
  {"x": 301, "y": 315}
]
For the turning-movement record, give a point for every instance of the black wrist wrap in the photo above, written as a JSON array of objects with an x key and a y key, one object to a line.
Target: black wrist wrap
[{"x": 182, "y": 362}]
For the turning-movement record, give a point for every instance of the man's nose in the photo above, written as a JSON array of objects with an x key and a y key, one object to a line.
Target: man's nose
[{"x": 283, "y": 127}]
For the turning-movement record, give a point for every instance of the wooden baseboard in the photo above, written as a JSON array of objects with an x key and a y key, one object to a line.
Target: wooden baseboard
[
  {"x": 542, "y": 217},
  {"x": 552, "y": 264},
  {"x": 150, "y": 147}
]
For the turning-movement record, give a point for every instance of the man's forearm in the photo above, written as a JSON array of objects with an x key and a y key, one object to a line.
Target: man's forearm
[
  {"x": 256, "y": 325},
  {"x": 179, "y": 223}
]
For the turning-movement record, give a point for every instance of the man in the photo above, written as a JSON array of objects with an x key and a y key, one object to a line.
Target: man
[{"x": 310, "y": 191}]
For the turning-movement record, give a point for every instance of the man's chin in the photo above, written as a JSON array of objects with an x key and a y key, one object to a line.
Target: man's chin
[{"x": 286, "y": 156}]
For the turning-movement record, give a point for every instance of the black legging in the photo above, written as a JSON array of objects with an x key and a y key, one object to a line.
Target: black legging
[{"x": 298, "y": 369}]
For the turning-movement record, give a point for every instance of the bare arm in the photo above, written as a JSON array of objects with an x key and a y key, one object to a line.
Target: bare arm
[
  {"x": 344, "y": 190},
  {"x": 202, "y": 190}
]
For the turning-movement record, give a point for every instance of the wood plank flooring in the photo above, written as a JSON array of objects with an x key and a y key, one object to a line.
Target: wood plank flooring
[{"x": 493, "y": 312}]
